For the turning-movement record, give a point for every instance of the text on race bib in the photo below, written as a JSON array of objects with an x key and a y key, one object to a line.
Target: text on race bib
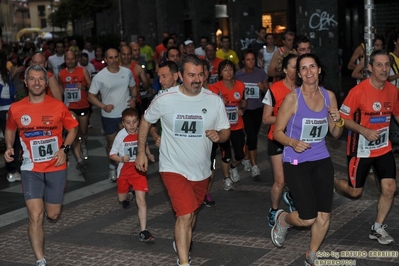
[
  {"x": 251, "y": 91},
  {"x": 130, "y": 148},
  {"x": 188, "y": 126},
  {"x": 314, "y": 130},
  {"x": 72, "y": 93},
  {"x": 43, "y": 149},
  {"x": 232, "y": 114}
]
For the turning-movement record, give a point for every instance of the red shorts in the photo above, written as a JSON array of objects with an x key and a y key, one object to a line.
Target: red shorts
[
  {"x": 186, "y": 196},
  {"x": 137, "y": 181}
]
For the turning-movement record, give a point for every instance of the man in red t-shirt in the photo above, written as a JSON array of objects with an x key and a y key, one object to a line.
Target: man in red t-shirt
[{"x": 40, "y": 121}]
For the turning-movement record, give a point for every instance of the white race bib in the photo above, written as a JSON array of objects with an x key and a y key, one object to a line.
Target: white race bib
[
  {"x": 213, "y": 79},
  {"x": 381, "y": 142},
  {"x": 72, "y": 93},
  {"x": 251, "y": 91},
  {"x": 188, "y": 125},
  {"x": 314, "y": 130},
  {"x": 130, "y": 148},
  {"x": 43, "y": 150},
  {"x": 232, "y": 114}
]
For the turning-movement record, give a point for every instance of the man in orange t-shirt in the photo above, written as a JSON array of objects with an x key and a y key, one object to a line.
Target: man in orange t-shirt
[
  {"x": 367, "y": 112},
  {"x": 40, "y": 120}
]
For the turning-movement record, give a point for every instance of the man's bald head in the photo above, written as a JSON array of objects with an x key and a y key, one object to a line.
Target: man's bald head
[
  {"x": 38, "y": 59},
  {"x": 135, "y": 50}
]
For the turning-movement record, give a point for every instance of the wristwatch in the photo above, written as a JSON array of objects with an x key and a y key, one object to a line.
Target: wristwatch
[{"x": 66, "y": 148}]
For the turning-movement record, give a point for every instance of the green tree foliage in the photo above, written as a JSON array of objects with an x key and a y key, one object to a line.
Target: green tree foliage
[{"x": 72, "y": 10}]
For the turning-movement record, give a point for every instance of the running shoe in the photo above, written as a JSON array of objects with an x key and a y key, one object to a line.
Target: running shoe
[
  {"x": 228, "y": 184},
  {"x": 247, "y": 165},
  {"x": 12, "y": 177},
  {"x": 145, "y": 236},
  {"x": 80, "y": 166},
  {"x": 381, "y": 235},
  {"x": 112, "y": 175},
  {"x": 41, "y": 262},
  {"x": 85, "y": 153},
  {"x": 209, "y": 203},
  {"x": 287, "y": 197},
  {"x": 189, "y": 251},
  {"x": 308, "y": 260},
  {"x": 234, "y": 176},
  {"x": 126, "y": 203},
  {"x": 255, "y": 171},
  {"x": 271, "y": 217},
  {"x": 279, "y": 232}
]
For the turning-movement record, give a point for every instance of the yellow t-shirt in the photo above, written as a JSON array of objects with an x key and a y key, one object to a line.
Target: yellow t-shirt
[
  {"x": 230, "y": 55},
  {"x": 9, "y": 65}
]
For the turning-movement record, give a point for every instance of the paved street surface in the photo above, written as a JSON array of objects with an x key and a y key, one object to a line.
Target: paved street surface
[{"x": 95, "y": 230}]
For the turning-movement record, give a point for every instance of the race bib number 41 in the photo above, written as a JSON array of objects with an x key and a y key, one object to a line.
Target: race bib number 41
[
  {"x": 314, "y": 130},
  {"x": 43, "y": 150},
  {"x": 188, "y": 126}
]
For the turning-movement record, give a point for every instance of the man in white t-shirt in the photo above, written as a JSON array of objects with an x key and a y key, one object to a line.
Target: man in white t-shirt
[
  {"x": 200, "y": 51},
  {"x": 85, "y": 62},
  {"x": 114, "y": 84},
  {"x": 55, "y": 61},
  {"x": 192, "y": 119},
  {"x": 89, "y": 50}
]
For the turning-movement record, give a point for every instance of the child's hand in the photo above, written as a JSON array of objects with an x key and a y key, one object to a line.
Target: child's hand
[
  {"x": 125, "y": 159},
  {"x": 151, "y": 157}
]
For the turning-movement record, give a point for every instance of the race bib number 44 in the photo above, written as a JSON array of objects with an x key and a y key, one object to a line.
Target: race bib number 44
[
  {"x": 43, "y": 149},
  {"x": 188, "y": 126},
  {"x": 314, "y": 130}
]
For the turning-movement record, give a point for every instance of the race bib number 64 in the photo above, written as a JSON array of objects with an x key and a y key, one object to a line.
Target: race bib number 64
[{"x": 43, "y": 149}]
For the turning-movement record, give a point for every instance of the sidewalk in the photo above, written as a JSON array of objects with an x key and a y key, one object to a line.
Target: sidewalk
[{"x": 95, "y": 230}]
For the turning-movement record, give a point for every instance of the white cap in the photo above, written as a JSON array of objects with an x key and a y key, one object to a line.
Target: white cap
[{"x": 188, "y": 42}]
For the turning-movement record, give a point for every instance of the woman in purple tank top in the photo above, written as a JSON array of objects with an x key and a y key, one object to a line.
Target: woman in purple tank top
[{"x": 304, "y": 119}]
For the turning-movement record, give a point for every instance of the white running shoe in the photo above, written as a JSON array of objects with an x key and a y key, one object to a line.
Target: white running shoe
[
  {"x": 381, "y": 235},
  {"x": 13, "y": 177},
  {"x": 112, "y": 175},
  {"x": 255, "y": 171},
  {"x": 247, "y": 165},
  {"x": 85, "y": 154},
  {"x": 228, "y": 184},
  {"x": 234, "y": 175}
]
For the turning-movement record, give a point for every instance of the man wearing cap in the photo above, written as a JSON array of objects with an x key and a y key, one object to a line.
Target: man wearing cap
[{"x": 189, "y": 47}]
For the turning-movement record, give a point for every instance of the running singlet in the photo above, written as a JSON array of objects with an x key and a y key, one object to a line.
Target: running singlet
[
  {"x": 370, "y": 108},
  {"x": 232, "y": 101},
  {"x": 40, "y": 130},
  {"x": 395, "y": 68},
  {"x": 274, "y": 98},
  {"x": 74, "y": 98},
  {"x": 137, "y": 80},
  {"x": 126, "y": 144},
  {"x": 310, "y": 127}
]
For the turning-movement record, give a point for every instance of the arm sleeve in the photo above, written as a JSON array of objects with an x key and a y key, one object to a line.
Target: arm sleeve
[
  {"x": 223, "y": 121},
  {"x": 69, "y": 121}
]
